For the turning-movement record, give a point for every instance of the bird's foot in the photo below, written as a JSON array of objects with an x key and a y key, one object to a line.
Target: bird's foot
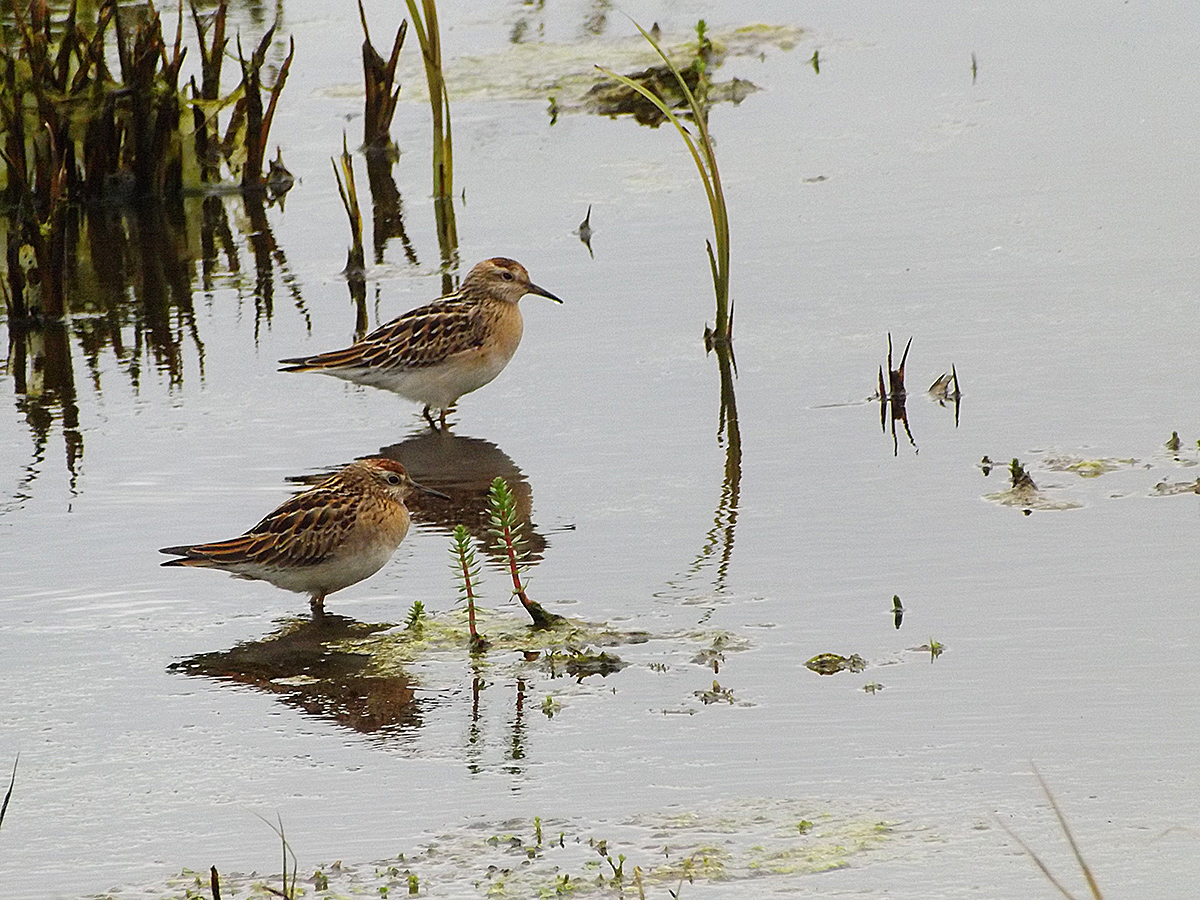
[{"x": 317, "y": 605}]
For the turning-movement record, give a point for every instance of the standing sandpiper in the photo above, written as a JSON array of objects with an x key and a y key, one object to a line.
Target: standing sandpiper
[
  {"x": 333, "y": 535},
  {"x": 436, "y": 353}
]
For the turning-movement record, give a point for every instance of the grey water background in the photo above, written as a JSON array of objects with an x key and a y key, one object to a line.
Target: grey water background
[{"x": 1035, "y": 228}]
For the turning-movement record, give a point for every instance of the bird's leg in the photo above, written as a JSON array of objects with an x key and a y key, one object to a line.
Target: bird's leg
[
  {"x": 442, "y": 418},
  {"x": 429, "y": 418},
  {"x": 317, "y": 604}
]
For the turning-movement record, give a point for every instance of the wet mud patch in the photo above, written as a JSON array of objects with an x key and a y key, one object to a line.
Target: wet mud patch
[{"x": 760, "y": 845}]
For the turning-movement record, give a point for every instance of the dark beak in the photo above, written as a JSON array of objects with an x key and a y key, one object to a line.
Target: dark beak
[
  {"x": 542, "y": 292},
  {"x": 430, "y": 491}
]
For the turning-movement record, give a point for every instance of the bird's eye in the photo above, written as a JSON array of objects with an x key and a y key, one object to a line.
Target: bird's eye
[
  {"x": 393, "y": 478},
  {"x": 507, "y": 276}
]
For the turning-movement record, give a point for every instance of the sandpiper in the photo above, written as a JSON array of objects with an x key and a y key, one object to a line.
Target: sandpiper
[
  {"x": 434, "y": 354},
  {"x": 333, "y": 535}
]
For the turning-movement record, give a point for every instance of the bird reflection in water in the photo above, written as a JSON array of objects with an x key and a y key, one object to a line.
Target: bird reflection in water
[
  {"x": 304, "y": 667},
  {"x": 463, "y": 468}
]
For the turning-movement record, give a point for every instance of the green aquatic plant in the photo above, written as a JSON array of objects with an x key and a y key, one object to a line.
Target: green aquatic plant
[
  {"x": 416, "y": 617},
  {"x": 466, "y": 570},
  {"x": 425, "y": 22},
  {"x": 705, "y": 157},
  {"x": 289, "y": 887},
  {"x": 1020, "y": 478},
  {"x": 505, "y": 526}
]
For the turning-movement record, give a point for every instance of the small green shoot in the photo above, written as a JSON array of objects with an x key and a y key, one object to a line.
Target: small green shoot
[
  {"x": 416, "y": 617},
  {"x": 414, "y": 886},
  {"x": 705, "y": 157},
  {"x": 289, "y": 888},
  {"x": 1173, "y": 442},
  {"x": 505, "y": 528},
  {"x": 466, "y": 569},
  {"x": 704, "y": 49},
  {"x": 804, "y": 826},
  {"x": 618, "y": 867},
  {"x": 1020, "y": 478}
]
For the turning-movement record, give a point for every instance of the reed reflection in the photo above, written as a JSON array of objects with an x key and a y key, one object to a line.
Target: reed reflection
[
  {"x": 387, "y": 208},
  {"x": 267, "y": 255},
  {"x": 132, "y": 270},
  {"x": 44, "y": 379},
  {"x": 892, "y": 397},
  {"x": 717, "y": 550}
]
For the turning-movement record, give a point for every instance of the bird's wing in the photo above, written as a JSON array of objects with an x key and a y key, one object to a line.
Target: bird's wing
[
  {"x": 421, "y": 337},
  {"x": 304, "y": 531}
]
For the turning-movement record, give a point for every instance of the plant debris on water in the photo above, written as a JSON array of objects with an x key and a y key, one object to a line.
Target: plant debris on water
[
  {"x": 832, "y": 663},
  {"x": 1027, "y": 494},
  {"x": 754, "y": 845},
  {"x": 540, "y": 70}
]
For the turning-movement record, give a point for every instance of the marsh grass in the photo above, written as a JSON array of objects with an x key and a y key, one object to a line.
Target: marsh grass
[
  {"x": 381, "y": 91},
  {"x": 1093, "y": 886},
  {"x": 250, "y": 105},
  {"x": 704, "y": 156},
  {"x": 289, "y": 886},
  {"x": 425, "y": 23},
  {"x": 8, "y": 794},
  {"x": 343, "y": 171},
  {"x": 73, "y": 132}
]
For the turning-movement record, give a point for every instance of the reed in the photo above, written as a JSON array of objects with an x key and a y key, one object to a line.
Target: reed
[
  {"x": 382, "y": 93},
  {"x": 74, "y": 132},
  {"x": 704, "y": 155},
  {"x": 343, "y": 171},
  {"x": 1093, "y": 885},
  {"x": 425, "y": 23},
  {"x": 8, "y": 794}
]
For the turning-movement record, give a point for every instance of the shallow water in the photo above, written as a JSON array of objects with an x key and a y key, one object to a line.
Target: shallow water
[{"x": 1034, "y": 229}]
